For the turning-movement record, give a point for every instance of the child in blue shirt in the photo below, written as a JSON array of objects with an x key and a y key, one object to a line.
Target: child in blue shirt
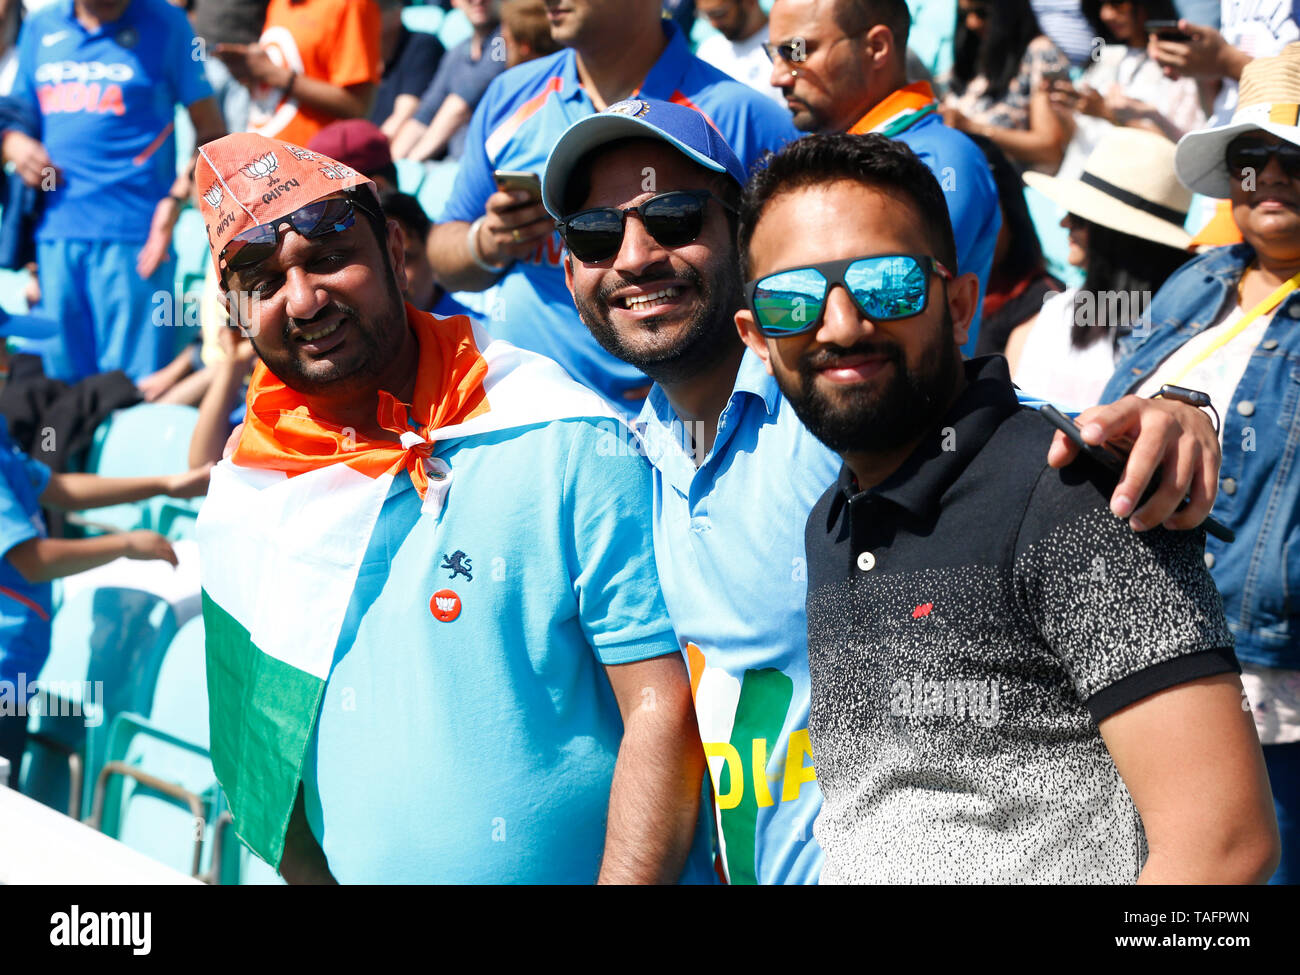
[{"x": 31, "y": 560}]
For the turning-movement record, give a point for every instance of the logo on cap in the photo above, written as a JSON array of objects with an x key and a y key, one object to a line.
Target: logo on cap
[
  {"x": 629, "y": 106},
  {"x": 338, "y": 171},
  {"x": 212, "y": 194},
  {"x": 299, "y": 153},
  {"x": 262, "y": 167}
]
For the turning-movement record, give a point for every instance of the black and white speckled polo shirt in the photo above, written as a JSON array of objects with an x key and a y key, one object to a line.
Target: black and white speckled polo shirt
[{"x": 970, "y": 621}]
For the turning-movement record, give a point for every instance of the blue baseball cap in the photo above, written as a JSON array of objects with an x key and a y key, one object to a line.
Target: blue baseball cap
[
  {"x": 26, "y": 326},
  {"x": 685, "y": 129}
]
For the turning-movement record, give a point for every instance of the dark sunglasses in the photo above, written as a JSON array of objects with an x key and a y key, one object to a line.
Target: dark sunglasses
[
  {"x": 673, "y": 219},
  {"x": 318, "y": 219},
  {"x": 885, "y": 288},
  {"x": 1249, "y": 153},
  {"x": 787, "y": 52}
]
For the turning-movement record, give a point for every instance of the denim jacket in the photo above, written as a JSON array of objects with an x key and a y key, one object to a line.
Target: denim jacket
[{"x": 1259, "y": 483}]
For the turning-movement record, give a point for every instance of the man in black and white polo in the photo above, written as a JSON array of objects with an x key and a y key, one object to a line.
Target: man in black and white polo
[{"x": 1009, "y": 684}]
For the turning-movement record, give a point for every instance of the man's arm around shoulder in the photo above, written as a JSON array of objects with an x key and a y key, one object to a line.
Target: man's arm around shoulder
[{"x": 654, "y": 799}]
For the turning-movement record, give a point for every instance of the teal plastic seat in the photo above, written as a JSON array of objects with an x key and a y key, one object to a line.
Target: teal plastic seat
[
  {"x": 157, "y": 792},
  {"x": 435, "y": 188},
  {"x": 142, "y": 440},
  {"x": 106, "y": 646},
  {"x": 410, "y": 176},
  {"x": 455, "y": 27},
  {"x": 425, "y": 20}
]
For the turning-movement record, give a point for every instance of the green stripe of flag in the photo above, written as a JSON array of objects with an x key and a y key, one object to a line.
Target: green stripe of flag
[{"x": 261, "y": 712}]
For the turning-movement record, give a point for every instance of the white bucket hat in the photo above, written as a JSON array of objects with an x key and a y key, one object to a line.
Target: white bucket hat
[
  {"x": 1127, "y": 184},
  {"x": 1268, "y": 100}
]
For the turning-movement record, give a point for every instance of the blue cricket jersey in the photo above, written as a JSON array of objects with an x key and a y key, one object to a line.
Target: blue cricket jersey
[
  {"x": 105, "y": 103},
  {"x": 972, "y": 198},
  {"x": 24, "y": 606},
  {"x": 521, "y": 117}
]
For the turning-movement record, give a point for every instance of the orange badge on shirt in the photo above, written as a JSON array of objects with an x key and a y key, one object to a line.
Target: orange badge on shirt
[{"x": 445, "y": 605}]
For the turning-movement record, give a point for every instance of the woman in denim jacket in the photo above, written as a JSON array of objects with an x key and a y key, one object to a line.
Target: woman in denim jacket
[{"x": 1228, "y": 323}]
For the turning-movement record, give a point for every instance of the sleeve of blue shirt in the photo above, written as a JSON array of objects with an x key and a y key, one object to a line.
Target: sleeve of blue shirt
[
  {"x": 972, "y": 198},
  {"x": 438, "y": 88},
  {"x": 15, "y": 522},
  {"x": 474, "y": 183},
  {"x": 184, "y": 70},
  {"x": 752, "y": 126},
  {"x": 607, "y": 488}
]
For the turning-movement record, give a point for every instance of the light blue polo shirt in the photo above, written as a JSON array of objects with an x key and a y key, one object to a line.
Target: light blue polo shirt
[
  {"x": 729, "y": 544},
  {"x": 24, "y": 606},
  {"x": 515, "y": 126},
  {"x": 468, "y": 732}
]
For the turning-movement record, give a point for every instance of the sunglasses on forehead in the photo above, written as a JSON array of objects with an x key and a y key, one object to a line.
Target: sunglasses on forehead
[
  {"x": 885, "y": 288},
  {"x": 1248, "y": 152},
  {"x": 673, "y": 219},
  {"x": 315, "y": 220}
]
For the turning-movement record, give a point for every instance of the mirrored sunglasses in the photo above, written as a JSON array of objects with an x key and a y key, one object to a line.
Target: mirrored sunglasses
[{"x": 885, "y": 288}]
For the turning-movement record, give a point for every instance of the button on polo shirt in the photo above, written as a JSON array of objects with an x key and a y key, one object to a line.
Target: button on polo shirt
[{"x": 957, "y": 685}]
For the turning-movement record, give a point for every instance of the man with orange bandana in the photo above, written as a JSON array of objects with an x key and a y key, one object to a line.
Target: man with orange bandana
[
  {"x": 842, "y": 65},
  {"x": 437, "y": 646}
]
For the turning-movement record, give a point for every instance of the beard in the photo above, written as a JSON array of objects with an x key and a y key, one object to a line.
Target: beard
[
  {"x": 371, "y": 346},
  {"x": 707, "y": 337},
  {"x": 868, "y": 419}
]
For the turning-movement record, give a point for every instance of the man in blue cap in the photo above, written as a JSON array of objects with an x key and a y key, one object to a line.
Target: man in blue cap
[
  {"x": 31, "y": 560},
  {"x": 494, "y": 235},
  {"x": 644, "y": 195}
]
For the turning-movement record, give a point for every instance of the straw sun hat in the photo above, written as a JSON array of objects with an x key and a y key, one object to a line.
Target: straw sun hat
[
  {"x": 1268, "y": 99},
  {"x": 1127, "y": 184}
]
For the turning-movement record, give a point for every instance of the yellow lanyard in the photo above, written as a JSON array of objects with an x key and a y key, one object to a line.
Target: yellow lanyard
[{"x": 1263, "y": 308}]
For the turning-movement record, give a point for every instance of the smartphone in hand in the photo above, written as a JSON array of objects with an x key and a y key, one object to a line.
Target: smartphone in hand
[
  {"x": 509, "y": 181},
  {"x": 1167, "y": 30},
  {"x": 1115, "y": 462}
]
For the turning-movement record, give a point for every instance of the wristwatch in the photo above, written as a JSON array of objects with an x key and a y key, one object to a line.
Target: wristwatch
[{"x": 1192, "y": 397}]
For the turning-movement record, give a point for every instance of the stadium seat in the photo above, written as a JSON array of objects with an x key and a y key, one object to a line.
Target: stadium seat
[
  {"x": 105, "y": 650},
  {"x": 410, "y": 175},
  {"x": 435, "y": 189},
  {"x": 150, "y": 438},
  {"x": 426, "y": 19},
  {"x": 157, "y": 792},
  {"x": 455, "y": 27}
]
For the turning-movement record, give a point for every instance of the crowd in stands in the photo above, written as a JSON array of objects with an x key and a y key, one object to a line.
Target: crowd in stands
[{"x": 606, "y": 185}]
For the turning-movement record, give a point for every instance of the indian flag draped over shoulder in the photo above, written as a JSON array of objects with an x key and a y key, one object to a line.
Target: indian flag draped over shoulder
[{"x": 286, "y": 524}]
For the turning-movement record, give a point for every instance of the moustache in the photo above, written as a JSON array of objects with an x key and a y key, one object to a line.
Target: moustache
[
  {"x": 333, "y": 308},
  {"x": 688, "y": 274},
  {"x": 830, "y": 356}
]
